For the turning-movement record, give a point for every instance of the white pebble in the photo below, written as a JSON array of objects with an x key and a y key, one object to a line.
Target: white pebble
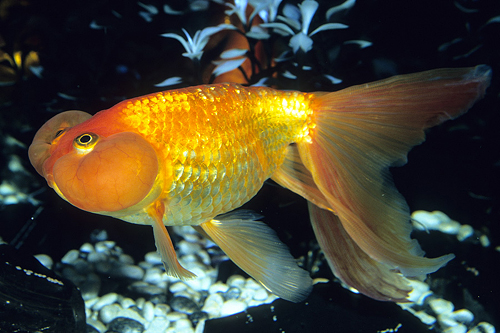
[
  {"x": 449, "y": 227},
  {"x": 188, "y": 248},
  {"x": 420, "y": 291},
  {"x": 153, "y": 258},
  {"x": 105, "y": 300},
  {"x": 87, "y": 248},
  {"x": 465, "y": 232},
  {"x": 148, "y": 311},
  {"x": 459, "y": 328},
  {"x": 94, "y": 257},
  {"x": 161, "y": 310},
  {"x": 423, "y": 220},
  {"x": 159, "y": 324},
  {"x": 89, "y": 303},
  {"x": 131, "y": 271},
  {"x": 231, "y": 307},
  {"x": 441, "y": 306},
  {"x": 70, "y": 257},
  {"x": 126, "y": 259},
  {"x": 483, "y": 327},
  {"x": 175, "y": 316},
  {"x": 132, "y": 314},
  {"x": 97, "y": 324},
  {"x": 252, "y": 284},
  {"x": 109, "y": 312},
  {"x": 127, "y": 302},
  {"x": 484, "y": 240},
  {"x": 213, "y": 305},
  {"x": 260, "y": 295},
  {"x": 153, "y": 275},
  {"x": 101, "y": 248},
  {"x": 236, "y": 281},
  {"x": 463, "y": 316},
  {"x": 177, "y": 287},
  {"x": 218, "y": 287},
  {"x": 183, "y": 324},
  {"x": 45, "y": 260}
]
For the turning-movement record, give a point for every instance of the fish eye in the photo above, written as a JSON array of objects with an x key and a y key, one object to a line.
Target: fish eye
[{"x": 85, "y": 142}]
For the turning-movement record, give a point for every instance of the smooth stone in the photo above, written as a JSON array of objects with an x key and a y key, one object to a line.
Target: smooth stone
[
  {"x": 236, "y": 281},
  {"x": 45, "y": 260},
  {"x": 125, "y": 325},
  {"x": 153, "y": 258},
  {"x": 183, "y": 325},
  {"x": 441, "y": 306},
  {"x": 231, "y": 307},
  {"x": 218, "y": 287},
  {"x": 213, "y": 305},
  {"x": 153, "y": 275},
  {"x": 97, "y": 324},
  {"x": 198, "y": 316},
  {"x": 232, "y": 293},
  {"x": 174, "y": 316},
  {"x": 131, "y": 271},
  {"x": 105, "y": 300},
  {"x": 87, "y": 248},
  {"x": 109, "y": 312},
  {"x": 95, "y": 257},
  {"x": 183, "y": 305},
  {"x": 148, "y": 311},
  {"x": 146, "y": 288},
  {"x": 127, "y": 302},
  {"x": 188, "y": 248},
  {"x": 177, "y": 287},
  {"x": 126, "y": 259},
  {"x": 70, "y": 257},
  {"x": 157, "y": 325},
  {"x": 161, "y": 310},
  {"x": 260, "y": 294},
  {"x": 92, "y": 329}
]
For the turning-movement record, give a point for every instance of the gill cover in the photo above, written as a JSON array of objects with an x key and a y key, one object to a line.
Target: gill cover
[
  {"x": 49, "y": 134},
  {"x": 106, "y": 174}
]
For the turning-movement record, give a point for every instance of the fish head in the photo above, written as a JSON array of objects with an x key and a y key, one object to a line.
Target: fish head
[{"x": 94, "y": 165}]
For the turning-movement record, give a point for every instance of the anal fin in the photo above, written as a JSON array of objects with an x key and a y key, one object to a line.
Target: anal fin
[{"x": 256, "y": 249}]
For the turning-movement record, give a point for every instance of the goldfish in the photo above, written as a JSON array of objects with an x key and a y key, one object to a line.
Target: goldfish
[{"x": 192, "y": 156}]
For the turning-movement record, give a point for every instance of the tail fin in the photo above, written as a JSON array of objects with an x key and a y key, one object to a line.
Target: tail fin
[{"x": 362, "y": 131}]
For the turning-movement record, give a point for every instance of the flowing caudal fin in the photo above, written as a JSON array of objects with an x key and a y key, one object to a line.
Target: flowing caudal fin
[
  {"x": 348, "y": 262},
  {"x": 363, "y": 130},
  {"x": 254, "y": 247}
]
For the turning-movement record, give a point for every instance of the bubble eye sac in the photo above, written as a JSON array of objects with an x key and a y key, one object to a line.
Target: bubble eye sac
[{"x": 84, "y": 143}]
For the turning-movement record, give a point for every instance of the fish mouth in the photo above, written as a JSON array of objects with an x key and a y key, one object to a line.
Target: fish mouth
[{"x": 50, "y": 133}]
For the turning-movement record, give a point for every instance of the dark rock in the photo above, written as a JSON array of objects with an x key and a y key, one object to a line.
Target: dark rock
[
  {"x": 183, "y": 305},
  {"x": 125, "y": 325},
  {"x": 33, "y": 298}
]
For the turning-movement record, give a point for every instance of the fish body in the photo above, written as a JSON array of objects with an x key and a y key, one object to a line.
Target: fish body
[{"x": 188, "y": 156}]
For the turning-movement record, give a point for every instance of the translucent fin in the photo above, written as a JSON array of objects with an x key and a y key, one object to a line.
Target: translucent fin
[
  {"x": 293, "y": 175},
  {"x": 164, "y": 244},
  {"x": 363, "y": 130},
  {"x": 254, "y": 247},
  {"x": 353, "y": 266}
]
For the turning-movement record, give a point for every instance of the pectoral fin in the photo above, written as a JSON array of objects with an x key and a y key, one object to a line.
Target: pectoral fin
[
  {"x": 164, "y": 244},
  {"x": 256, "y": 249}
]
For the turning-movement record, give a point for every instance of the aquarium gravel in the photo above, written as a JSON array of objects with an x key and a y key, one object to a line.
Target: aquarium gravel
[{"x": 119, "y": 292}]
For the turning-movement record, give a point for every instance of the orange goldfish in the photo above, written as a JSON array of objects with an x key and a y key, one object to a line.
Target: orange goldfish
[{"x": 187, "y": 156}]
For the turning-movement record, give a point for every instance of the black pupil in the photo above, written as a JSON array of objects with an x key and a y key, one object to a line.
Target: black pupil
[{"x": 84, "y": 139}]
